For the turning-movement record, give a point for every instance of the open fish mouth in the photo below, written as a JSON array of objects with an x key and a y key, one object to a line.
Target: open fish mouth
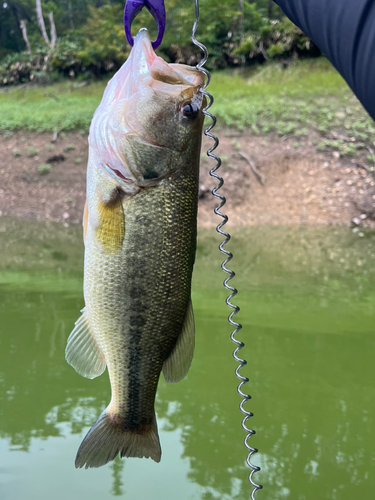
[{"x": 143, "y": 115}]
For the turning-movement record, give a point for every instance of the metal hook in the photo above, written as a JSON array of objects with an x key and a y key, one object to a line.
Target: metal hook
[{"x": 156, "y": 9}]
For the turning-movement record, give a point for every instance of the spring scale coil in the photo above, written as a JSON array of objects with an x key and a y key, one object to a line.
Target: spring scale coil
[{"x": 228, "y": 257}]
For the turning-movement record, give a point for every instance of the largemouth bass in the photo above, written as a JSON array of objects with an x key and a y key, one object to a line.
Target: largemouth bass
[{"x": 140, "y": 241}]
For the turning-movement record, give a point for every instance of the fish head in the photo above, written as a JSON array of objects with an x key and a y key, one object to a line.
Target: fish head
[{"x": 150, "y": 115}]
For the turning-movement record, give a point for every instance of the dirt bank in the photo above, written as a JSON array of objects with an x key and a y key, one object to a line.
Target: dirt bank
[{"x": 267, "y": 181}]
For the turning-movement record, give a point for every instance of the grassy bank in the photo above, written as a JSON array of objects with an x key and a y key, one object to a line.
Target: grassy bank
[{"x": 308, "y": 98}]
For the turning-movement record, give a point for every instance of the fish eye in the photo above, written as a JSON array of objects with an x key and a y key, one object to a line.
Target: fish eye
[{"x": 189, "y": 110}]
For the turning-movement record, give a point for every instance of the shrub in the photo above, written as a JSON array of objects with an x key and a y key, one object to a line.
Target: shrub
[
  {"x": 276, "y": 39},
  {"x": 44, "y": 168},
  {"x": 22, "y": 67},
  {"x": 100, "y": 46}
]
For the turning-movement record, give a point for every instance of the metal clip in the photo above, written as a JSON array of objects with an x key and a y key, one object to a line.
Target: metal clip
[{"x": 156, "y": 9}]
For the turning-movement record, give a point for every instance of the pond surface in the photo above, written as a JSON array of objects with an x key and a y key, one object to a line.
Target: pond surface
[{"x": 307, "y": 298}]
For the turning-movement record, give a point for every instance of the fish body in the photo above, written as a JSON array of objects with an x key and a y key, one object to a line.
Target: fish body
[{"x": 140, "y": 240}]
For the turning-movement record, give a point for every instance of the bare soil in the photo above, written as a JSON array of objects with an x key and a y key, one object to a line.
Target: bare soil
[{"x": 301, "y": 186}]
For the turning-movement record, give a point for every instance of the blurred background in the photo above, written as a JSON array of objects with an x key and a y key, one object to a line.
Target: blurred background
[{"x": 89, "y": 36}]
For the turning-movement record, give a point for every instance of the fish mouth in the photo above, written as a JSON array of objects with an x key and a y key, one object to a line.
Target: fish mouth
[
  {"x": 146, "y": 63},
  {"x": 141, "y": 106}
]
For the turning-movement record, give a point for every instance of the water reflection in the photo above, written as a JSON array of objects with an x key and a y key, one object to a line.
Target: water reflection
[
  {"x": 117, "y": 467},
  {"x": 308, "y": 314}
]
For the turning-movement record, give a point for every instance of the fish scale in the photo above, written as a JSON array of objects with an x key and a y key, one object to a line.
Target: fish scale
[
  {"x": 148, "y": 284},
  {"x": 140, "y": 249}
]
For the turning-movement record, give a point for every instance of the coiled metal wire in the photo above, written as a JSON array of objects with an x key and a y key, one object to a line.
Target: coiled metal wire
[{"x": 233, "y": 291}]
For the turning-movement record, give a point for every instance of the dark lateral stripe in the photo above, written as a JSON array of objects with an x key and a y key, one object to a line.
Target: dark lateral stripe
[
  {"x": 160, "y": 246},
  {"x": 137, "y": 416}
]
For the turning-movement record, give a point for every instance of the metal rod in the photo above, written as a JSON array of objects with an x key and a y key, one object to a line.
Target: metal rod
[{"x": 233, "y": 291}]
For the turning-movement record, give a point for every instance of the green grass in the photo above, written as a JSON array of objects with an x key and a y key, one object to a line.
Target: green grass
[
  {"x": 34, "y": 108},
  {"x": 308, "y": 96}
]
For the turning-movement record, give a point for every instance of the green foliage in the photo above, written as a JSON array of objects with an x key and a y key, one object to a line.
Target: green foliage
[
  {"x": 31, "y": 151},
  {"x": 274, "y": 39},
  {"x": 104, "y": 48},
  {"x": 44, "y": 168},
  {"x": 91, "y": 37}
]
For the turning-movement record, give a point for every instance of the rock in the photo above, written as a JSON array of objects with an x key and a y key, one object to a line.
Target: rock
[
  {"x": 356, "y": 221},
  {"x": 56, "y": 158},
  {"x": 365, "y": 205},
  {"x": 203, "y": 192}
]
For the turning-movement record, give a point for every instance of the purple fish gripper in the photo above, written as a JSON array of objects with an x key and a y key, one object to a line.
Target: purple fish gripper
[{"x": 156, "y": 9}]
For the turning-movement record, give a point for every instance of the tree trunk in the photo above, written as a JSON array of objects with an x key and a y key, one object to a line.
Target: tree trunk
[
  {"x": 241, "y": 10},
  {"x": 24, "y": 34},
  {"x": 241, "y": 27},
  {"x": 15, "y": 13},
  {"x": 40, "y": 19},
  {"x": 270, "y": 9},
  {"x": 71, "y": 21},
  {"x": 52, "y": 30}
]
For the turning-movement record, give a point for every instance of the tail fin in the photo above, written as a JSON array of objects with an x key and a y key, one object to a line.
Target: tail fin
[{"x": 105, "y": 440}]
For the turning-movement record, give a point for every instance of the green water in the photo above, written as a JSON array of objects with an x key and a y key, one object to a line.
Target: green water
[{"x": 307, "y": 298}]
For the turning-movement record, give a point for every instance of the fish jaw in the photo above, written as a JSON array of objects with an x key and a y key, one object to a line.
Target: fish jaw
[{"x": 139, "y": 121}]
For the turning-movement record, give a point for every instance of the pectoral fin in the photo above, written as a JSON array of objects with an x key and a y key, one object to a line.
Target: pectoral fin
[
  {"x": 177, "y": 365},
  {"x": 82, "y": 351},
  {"x": 111, "y": 229}
]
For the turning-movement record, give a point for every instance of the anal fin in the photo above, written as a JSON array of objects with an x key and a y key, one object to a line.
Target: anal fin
[
  {"x": 177, "y": 365},
  {"x": 82, "y": 350}
]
